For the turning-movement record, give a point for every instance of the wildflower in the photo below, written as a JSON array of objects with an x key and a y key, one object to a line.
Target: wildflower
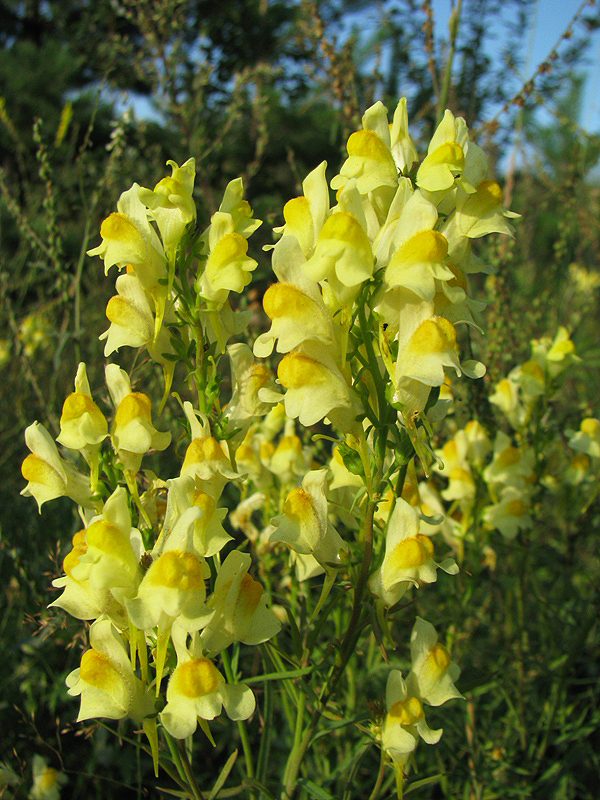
[
  {"x": 587, "y": 438},
  {"x": 133, "y": 433},
  {"x": 402, "y": 148},
  {"x": 315, "y": 388},
  {"x": 510, "y": 514},
  {"x": 82, "y": 424},
  {"x": 47, "y": 781},
  {"x": 445, "y": 158},
  {"x": 48, "y": 475},
  {"x": 294, "y": 305},
  {"x": 304, "y": 216},
  {"x": 240, "y": 608},
  {"x": 408, "y": 558},
  {"x": 114, "y": 550},
  {"x": 171, "y": 203},
  {"x": 130, "y": 316},
  {"x": 305, "y": 526},
  {"x": 78, "y": 598},
  {"x": 343, "y": 250},
  {"x": 129, "y": 239},
  {"x": 432, "y": 672},
  {"x": 404, "y": 723},
  {"x": 105, "y": 679},
  {"x": 197, "y": 690}
]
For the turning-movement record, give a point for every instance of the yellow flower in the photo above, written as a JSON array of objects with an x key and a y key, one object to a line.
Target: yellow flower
[
  {"x": 82, "y": 424},
  {"x": 304, "y": 524},
  {"x": 240, "y": 608},
  {"x": 197, "y": 690},
  {"x": 105, "y": 679},
  {"x": 48, "y": 475},
  {"x": 445, "y": 158},
  {"x": 133, "y": 433},
  {"x": 171, "y": 203},
  {"x": 128, "y": 238}
]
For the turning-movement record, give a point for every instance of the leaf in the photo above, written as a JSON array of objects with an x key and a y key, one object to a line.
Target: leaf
[
  {"x": 316, "y": 791},
  {"x": 351, "y": 459},
  {"x": 276, "y": 676},
  {"x": 223, "y": 775}
]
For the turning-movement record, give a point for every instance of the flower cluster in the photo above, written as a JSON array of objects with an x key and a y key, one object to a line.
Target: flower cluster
[{"x": 364, "y": 314}]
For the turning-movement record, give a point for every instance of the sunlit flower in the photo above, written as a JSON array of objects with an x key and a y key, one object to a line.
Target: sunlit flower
[
  {"x": 133, "y": 433},
  {"x": 408, "y": 558},
  {"x": 105, "y": 679},
  {"x": 47, "y": 474},
  {"x": 432, "y": 671},
  {"x": 171, "y": 203},
  {"x": 304, "y": 524},
  {"x": 404, "y": 722},
  {"x": 82, "y": 424},
  {"x": 197, "y": 690},
  {"x": 114, "y": 549},
  {"x": 128, "y": 238},
  {"x": 240, "y": 608},
  {"x": 304, "y": 216}
]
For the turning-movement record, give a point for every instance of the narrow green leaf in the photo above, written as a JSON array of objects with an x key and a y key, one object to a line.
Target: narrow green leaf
[
  {"x": 277, "y": 676},
  {"x": 223, "y": 775}
]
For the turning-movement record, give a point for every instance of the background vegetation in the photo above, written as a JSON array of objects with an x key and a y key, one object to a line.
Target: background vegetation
[{"x": 99, "y": 94}]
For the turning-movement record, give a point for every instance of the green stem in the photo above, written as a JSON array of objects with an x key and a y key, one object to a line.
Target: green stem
[
  {"x": 265, "y": 742},
  {"x": 189, "y": 774},
  {"x": 453, "y": 31},
  {"x": 240, "y": 723},
  {"x": 347, "y": 648},
  {"x": 379, "y": 782}
]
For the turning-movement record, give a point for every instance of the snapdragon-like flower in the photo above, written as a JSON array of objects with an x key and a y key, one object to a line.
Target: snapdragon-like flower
[
  {"x": 47, "y": 474},
  {"x": 510, "y": 466},
  {"x": 554, "y": 355},
  {"x": 304, "y": 524},
  {"x": 209, "y": 536},
  {"x": 171, "y": 203},
  {"x": 248, "y": 377},
  {"x": 172, "y": 590},
  {"x": 114, "y": 550},
  {"x": 47, "y": 781},
  {"x": 205, "y": 459},
  {"x": 304, "y": 216},
  {"x": 294, "y": 305},
  {"x": 240, "y": 608},
  {"x": 408, "y": 558},
  {"x": 587, "y": 438},
  {"x": 129, "y": 238},
  {"x": 130, "y": 316},
  {"x": 419, "y": 252},
  {"x": 342, "y": 251},
  {"x": 105, "y": 679},
  {"x": 370, "y": 161},
  {"x": 445, "y": 158},
  {"x": 403, "y": 150},
  {"x": 78, "y": 598},
  {"x": 432, "y": 673},
  {"x": 133, "y": 433},
  {"x": 510, "y": 514},
  {"x": 197, "y": 690},
  {"x": 315, "y": 388},
  {"x": 404, "y": 723},
  {"x": 82, "y": 424}
]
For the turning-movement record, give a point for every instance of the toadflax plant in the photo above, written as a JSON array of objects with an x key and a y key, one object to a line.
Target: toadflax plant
[{"x": 260, "y": 576}]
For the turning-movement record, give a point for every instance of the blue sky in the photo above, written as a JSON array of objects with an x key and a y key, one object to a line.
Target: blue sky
[{"x": 549, "y": 21}]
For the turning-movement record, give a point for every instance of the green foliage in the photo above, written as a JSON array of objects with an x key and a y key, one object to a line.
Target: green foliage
[{"x": 265, "y": 90}]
